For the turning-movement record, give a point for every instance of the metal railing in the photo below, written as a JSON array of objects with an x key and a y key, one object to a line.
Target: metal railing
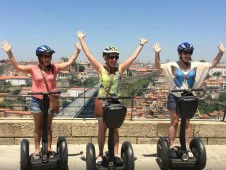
[{"x": 146, "y": 104}]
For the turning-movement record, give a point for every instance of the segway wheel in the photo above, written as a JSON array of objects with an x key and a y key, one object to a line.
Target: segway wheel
[
  {"x": 163, "y": 158},
  {"x": 90, "y": 157},
  {"x": 127, "y": 155},
  {"x": 24, "y": 155},
  {"x": 199, "y": 151},
  {"x": 62, "y": 149}
]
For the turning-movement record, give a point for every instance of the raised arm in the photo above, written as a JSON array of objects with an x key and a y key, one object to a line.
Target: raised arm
[
  {"x": 219, "y": 55},
  {"x": 7, "y": 47},
  {"x": 96, "y": 64},
  {"x": 62, "y": 66},
  {"x": 157, "y": 48},
  {"x": 125, "y": 65}
]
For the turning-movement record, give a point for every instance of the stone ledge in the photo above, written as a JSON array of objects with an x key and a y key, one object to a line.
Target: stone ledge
[{"x": 12, "y": 131}]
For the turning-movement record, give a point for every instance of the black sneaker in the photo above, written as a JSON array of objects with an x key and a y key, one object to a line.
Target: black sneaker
[
  {"x": 118, "y": 161},
  {"x": 173, "y": 153}
]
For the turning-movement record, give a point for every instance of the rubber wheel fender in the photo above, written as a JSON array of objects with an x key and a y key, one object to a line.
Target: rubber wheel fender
[
  {"x": 90, "y": 157},
  {"x": 127, "y": 155},
  {"x": 163, "y": 153},
  {"x": 199, "y": 151},
  {"x": 24, "y": 155},
  {"x": 62, "y": 149}
]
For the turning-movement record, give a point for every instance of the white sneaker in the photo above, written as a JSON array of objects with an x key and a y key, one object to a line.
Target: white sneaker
[
  {"x": 99, "y": 160},
  {"x": 190, "y": 154}
]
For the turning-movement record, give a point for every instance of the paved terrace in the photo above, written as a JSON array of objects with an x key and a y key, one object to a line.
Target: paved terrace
[{"x": 145, "y": 154}]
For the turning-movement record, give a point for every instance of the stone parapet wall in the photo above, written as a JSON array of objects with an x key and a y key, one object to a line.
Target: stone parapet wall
[{"x": 78, "y": 131}]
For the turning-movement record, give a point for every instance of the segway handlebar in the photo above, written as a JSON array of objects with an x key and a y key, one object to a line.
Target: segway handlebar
[
  {"x": 42, "y": 93},
  {"x": 116, "y": 97},
  {"x": 187, "y": 90}
]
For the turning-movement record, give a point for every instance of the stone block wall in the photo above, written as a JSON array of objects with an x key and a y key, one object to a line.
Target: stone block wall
[{"x": 79, "y": 131}]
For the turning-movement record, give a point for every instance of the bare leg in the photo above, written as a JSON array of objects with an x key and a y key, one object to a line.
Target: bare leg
[
  {"x": 50, "y": 120},
  {"x": 101, "y": 136},
  {"x": 116, "y": 141},
  {"x": 37, "y": 132},
  {"x": 187, "y": 133},
  {"x": 174, "y": 120}
]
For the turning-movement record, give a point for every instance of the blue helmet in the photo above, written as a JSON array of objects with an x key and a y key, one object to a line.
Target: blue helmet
[
  {"x": 185, "y": 47},
  {"x": 44, "y": 49}
]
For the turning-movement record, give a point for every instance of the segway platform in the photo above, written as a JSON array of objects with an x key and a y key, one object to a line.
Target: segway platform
[{"x": 38, "y": 164}]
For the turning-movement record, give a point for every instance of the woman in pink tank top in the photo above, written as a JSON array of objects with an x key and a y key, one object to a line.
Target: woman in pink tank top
[{"x": 49, "y": 71}]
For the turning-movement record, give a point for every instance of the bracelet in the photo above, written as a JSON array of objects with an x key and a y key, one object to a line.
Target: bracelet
[
  {"x": 142, "y": 45},
  {"x": 221, "y": 53}
]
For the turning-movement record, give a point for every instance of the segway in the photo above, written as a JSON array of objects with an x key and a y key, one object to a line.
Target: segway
[
  {"x": 113, "y": 116},
  {"x": 186, "y": 108},
  {"x": 60, "y": 159}
]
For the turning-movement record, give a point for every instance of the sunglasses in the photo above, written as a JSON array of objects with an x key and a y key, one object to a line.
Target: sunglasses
[
  {"x": 187, "y": 52},
  {"x": 46, "y": 56},
  {"x": 113, "y": 57}
]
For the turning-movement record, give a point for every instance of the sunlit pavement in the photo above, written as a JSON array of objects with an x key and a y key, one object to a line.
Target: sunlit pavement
[{"x": 145, "y": 154}]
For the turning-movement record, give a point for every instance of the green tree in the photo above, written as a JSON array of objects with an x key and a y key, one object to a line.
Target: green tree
[
  {"x": 1, "y": 70},
  {"x": 217, "y": 74},
  {"x": 81, "y": 68},
  {"x": 222, "y": 97},
  {"x": 16, "y": 92},
  {"x": 90, "y": 82},
  {"x": 75, "y": 66},
  {"x": 4, "y": 104},
  {"x": 65, "y": 104}
]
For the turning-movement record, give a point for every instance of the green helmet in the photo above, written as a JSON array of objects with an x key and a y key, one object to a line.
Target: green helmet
[{"x": 110, "y": 49}]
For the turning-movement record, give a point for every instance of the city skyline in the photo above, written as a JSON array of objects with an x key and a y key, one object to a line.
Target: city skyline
[{"x": 29, "y": 24}]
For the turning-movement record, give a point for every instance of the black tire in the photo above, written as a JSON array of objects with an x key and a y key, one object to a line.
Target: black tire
[
  {"x": 163, "y": 158},
  {"x": 199, "y": 151},
  {"x": 127, "y": 155},
  {"x": 62, "y": 150},
  {"x": 24, "y": 155},
  {"x": 90, "y": 157}
]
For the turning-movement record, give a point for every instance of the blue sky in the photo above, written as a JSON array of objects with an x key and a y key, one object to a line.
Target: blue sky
[{"x": 28, "y": 24}]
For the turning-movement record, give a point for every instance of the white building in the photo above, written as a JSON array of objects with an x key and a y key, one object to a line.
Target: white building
[
  {"x": 15, "y": 80},
  {"x": 75, "y": 92}
]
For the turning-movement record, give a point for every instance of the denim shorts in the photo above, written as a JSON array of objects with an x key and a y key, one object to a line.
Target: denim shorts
[
  {"x": 36, "y": 105},
  {"x": 172, "y": 102}
]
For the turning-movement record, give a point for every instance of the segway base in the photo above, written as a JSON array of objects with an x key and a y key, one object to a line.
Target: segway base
[
  {"x": 104, "y": 165},
  {"x": 38, "y": 164},
  {"x": 191, "y": 162},
  {"x": 101, "y": 167}
]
